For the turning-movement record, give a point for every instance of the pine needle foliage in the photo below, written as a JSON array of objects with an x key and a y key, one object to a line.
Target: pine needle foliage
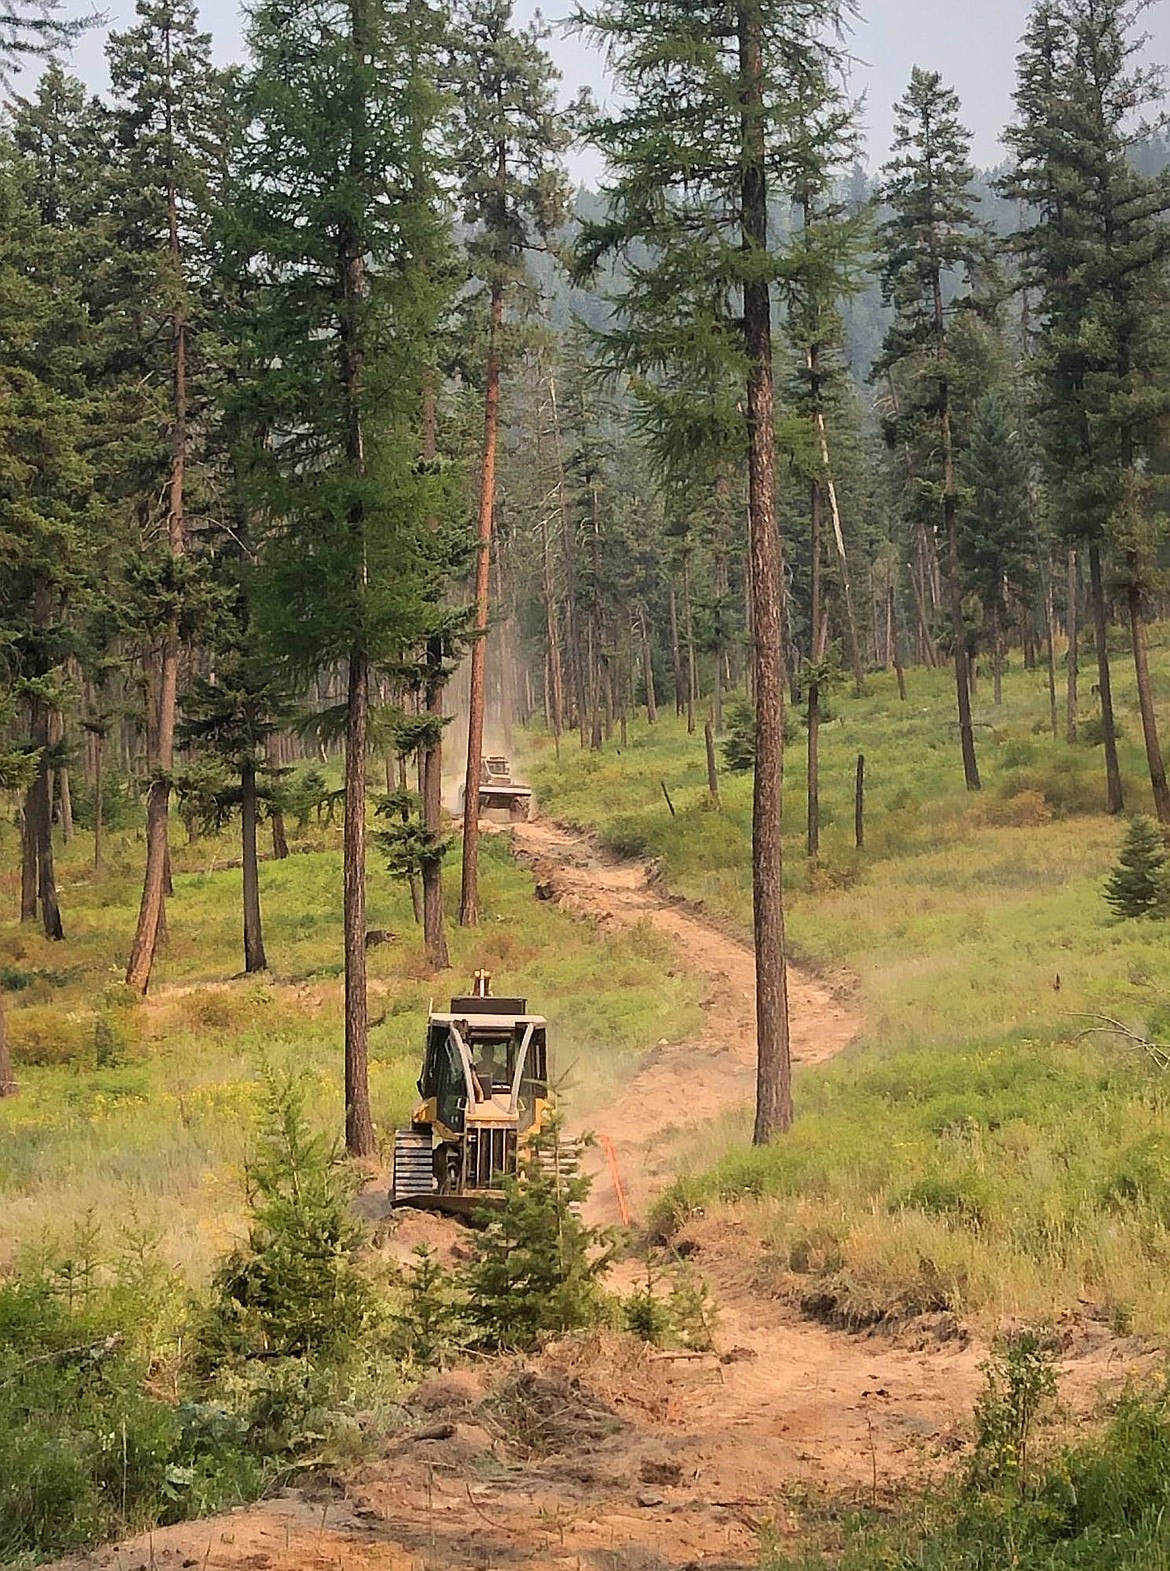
[
  {"x": 1138, "y": 886},
  {"x": 538, "y": 1266},
  {"x": 294, "y": 1288}
]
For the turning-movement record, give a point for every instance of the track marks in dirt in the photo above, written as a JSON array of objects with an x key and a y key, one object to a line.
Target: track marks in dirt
[{"x": 715, "y": 1071}]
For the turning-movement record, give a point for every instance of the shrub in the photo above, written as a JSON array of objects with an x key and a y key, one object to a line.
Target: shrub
[
  {"x": 1019, "y": 1379},
  {"x": 86, "y": 1452},
  {"x": 1091, "y": 731},
  {"x": 46, "y": 1034},
  {"x": 1022, "y": 810},
  {"x": 1137, "y": 885}
]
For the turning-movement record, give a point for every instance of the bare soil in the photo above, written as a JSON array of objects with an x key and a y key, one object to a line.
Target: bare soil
[{"x": 604, "y": 1454}]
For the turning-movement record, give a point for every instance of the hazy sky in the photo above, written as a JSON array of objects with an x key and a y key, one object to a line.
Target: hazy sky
[{"x": 972, "y": 42}]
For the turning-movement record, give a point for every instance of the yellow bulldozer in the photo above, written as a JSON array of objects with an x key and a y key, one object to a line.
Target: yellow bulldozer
[{"x": 484, "y": 1092}]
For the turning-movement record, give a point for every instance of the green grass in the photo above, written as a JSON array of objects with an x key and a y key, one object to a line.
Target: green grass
[
  {"x": 142, "y": 1115},
  {"x": 1096, "y": 1505},
  {"x": 973, "y": 1150}
]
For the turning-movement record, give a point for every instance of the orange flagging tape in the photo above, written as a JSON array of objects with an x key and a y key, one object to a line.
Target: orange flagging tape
[{"x": 611, "y": 1159}]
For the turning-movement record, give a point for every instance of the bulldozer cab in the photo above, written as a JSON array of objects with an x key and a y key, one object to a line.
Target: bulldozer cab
[{"x": 485, "y": 1066}]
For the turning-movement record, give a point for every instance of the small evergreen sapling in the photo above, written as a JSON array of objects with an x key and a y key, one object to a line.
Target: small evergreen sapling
[
  {"x": 293, "y": 1290},
  {"x": 1138, "y": 886},
  {"x": 428, "y": 1327},
  {"x": 537, "y": 1267}
]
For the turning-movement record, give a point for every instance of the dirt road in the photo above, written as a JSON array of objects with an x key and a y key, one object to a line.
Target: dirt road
[
  {"x": 602, "y": 1456},
  {"x": 718, "y": 1068}
]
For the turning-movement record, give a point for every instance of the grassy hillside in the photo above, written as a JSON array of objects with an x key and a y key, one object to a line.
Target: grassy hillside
[
  {"x": 975, "y": 1150},
  {"x": 139, "y": 1116}
]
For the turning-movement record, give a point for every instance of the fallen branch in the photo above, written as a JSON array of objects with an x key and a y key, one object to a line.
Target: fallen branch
[{"x": 1110, "y": 1027}]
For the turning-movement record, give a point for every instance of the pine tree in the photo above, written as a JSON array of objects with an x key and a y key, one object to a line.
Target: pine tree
[
  {"x": 16, "y": 768},
  {"x": 336, "y": 226},
  {"x": 166, "y": 96},
  {"x": 930, "y": 235},
  {"x": 1137, "y": 885},
  {"x": 46, "y": 486},
  {"x": 994, "y": 522},
  {"x": 1095, "y": 253},
  {"x": 508, "y": 141},
  {"x": 36, "y": 29},
  {"x": 537, "y": 1267},
  {"x": 720, "y": 113}
]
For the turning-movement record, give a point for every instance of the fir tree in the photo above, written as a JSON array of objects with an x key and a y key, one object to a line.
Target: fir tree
[
  {"x": 166, "y": 95},
  {"x": 36, "y": 29},
  {"x": 1095, "y": 252},
  {"x": 537, "y": 1266},
  {"x": 337, "y": 228},
  {"x": 294, "y": 1289},
  {"x": 508, "y": 139},
  {"x": 1137, "y": 885},
  {"x": 931, "y": 236},
  {"x": 721, "y": 116},
  {"x": 994, "y": 522}
]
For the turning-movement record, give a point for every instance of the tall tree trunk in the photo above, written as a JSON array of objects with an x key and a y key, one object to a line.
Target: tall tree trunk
[
  {"x": 414, "y": 881},
  {"x": 28, "y": 865},
  {"x": 926, "y": 641},
  {"x": 8, "y": 1085},
  {"x": 431, "y": 759},
  {"x": 434, "y": 927},
  {"x": 773, "y": 1056},
  {"x": 647, "y": 668},
  {"x": 360, "y": 1136},
  {"x": 360, "y": 1139},
  {"x": 1115, "y": 801},
  {"x": 150, "y": 912},
  {"x": 99, "y": 805},
  {"x": 156, "y": 882},
  {"x": 568, "y": 546},
  {"x": 254, "y": 956},
  {"x": 676, "y": 655},
  {"x": 556, "y": 692},
  {"x": 813, "y": 834},
  {"x": 1141, "y": 663},
  {"x": 997, "y": 660},
  {"x": 954, "y": 573},
  {"x": 1050, "y": 639},
  {"x": 959, "y": 634},
  {"x": 689, "y": 630},
  {"x": 469, "y": 896},
  {"x": 839, "y": 540},
  {"x": 64, "y": 795},
  {"x": 895, "y": 639},
  {"x": 39, "y": 816},
  {"x": 594, "y": 688},
  {"x": 279, "y": 835},
  {"x": 1070, "y": 723}
]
